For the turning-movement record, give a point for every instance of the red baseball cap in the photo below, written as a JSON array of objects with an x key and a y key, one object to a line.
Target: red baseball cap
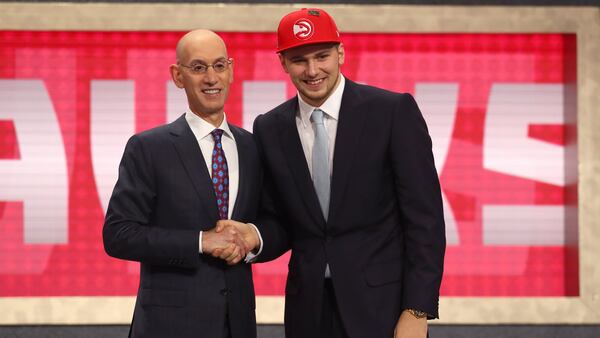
[{"x": 306, "y": 27}]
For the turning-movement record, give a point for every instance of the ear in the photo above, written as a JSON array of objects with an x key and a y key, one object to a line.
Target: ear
[
  {"x": 341, "y": 54},
  {"x": 231, "y": 71},
  {"x": 282, "y": 61},
  {"x": 176, "y": 75}
]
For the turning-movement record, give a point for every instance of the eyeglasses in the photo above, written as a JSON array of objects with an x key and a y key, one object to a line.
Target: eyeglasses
[{"x": 201, "y": 68}]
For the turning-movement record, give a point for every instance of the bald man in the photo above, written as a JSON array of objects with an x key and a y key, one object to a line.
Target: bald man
[{"x": 175, "y": 182}]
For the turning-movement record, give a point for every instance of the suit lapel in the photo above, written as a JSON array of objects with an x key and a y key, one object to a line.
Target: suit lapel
[
  {"x": 243, "y": 163},
  {"x": 349, "y": 131},
  {"x": 190, "y": 155},
  {"x": 296, "y": 160}
]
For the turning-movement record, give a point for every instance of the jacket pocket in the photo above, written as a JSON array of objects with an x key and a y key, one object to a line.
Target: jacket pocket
[
  {"x": 161, "y": 297},
  {"x": 384, "y": 273}
]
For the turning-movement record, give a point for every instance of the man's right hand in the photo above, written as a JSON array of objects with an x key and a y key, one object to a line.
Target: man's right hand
[
  {"x": 250, "y": 239},
  {"x": 226, "y": 243}
]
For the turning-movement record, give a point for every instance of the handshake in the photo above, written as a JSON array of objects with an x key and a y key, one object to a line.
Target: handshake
[{"x": 230, "y": 240}]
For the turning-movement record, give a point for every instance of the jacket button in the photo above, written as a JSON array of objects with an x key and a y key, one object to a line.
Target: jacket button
[
  {"x": 224, "y": 292},
  {"x": 328, "y": 239}
]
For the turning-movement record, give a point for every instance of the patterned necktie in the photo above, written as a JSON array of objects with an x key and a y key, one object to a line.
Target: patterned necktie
[
  {"x": 320, "y": 161},
  {"x": 220, "y": 175}
]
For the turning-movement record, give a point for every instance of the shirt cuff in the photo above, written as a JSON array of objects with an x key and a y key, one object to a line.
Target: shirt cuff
[
  {"x": 200, "y": 243},
  {"x": 251, "y": 257}
]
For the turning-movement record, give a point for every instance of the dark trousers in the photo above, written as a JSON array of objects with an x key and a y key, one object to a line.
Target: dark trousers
[
  {"x": 331, "y": 322},
  {"x": 226, "y": 328},
  {"x": 226, "y": 331}
]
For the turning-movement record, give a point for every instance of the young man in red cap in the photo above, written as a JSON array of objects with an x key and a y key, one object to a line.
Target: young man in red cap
[{"x": 351, "y": 188}]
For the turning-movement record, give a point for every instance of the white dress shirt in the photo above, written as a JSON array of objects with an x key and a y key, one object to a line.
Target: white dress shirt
[
  {"x": 202, "y": 131},
  {"x": 331, "y": 108}
]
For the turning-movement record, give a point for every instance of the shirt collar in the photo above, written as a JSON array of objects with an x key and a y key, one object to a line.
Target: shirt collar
[
  {"x": 202, "y": 128},
  {"x": 331, "y": 106}
]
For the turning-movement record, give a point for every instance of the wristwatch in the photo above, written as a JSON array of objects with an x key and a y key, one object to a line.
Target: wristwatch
[{"x": 417, "y": 313}]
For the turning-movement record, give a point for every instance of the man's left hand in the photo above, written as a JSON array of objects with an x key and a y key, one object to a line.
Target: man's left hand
[{"x": 409, "y": 326}]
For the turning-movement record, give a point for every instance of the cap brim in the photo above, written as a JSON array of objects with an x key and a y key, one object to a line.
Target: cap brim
[{"x": 302, "y": 43}]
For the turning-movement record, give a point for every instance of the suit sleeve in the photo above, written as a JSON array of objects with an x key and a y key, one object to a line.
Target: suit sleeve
[
  {"x": 275, "y": 236},
  {"x": 128, "y": 233},
  {"x": 419, "y": 196}
]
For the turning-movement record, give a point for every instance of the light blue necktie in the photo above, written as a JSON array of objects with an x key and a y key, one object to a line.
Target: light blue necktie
[
  {"x": 320, "y": 161},
  {"x": 320, "y": 166}
]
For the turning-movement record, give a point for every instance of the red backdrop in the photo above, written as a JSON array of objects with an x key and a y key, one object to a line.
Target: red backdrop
[{"x": 500, "y": 108}]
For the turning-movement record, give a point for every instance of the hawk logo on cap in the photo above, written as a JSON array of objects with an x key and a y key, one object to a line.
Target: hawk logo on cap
[{"x": 303, "y": 29}]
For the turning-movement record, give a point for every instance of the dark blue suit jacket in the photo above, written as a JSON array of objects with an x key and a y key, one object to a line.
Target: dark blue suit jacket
[
  {"x": 384, "y": 239},
  {"x": 162, "y": 199}
]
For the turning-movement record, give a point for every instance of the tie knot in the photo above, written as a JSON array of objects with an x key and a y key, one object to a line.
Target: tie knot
[
  {"x": 317, "y": 116},
  {"x": 217, "y": 133}
]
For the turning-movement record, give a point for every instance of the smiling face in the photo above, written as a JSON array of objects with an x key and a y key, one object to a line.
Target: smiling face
[
  {"x": 314, "y": 70},
  {"x": 206, "y": 92}
]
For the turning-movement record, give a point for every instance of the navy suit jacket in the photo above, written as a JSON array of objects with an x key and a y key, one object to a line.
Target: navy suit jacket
[
  {"x": 384, "y": 239},
  {"x": 162, "y": 199}
]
